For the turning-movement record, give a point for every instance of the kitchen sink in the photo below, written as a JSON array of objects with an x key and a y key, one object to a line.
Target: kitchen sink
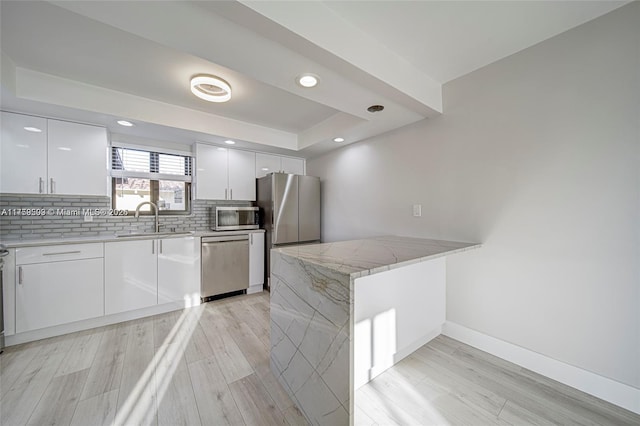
[{"x": 153, "y": 234}]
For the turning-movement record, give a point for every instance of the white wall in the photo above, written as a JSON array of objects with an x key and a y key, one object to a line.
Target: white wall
[{"x": 538, "y": 157}]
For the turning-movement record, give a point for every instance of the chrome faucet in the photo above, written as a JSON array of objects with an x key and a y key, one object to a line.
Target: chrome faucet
[{"x": 155, "y": 208}]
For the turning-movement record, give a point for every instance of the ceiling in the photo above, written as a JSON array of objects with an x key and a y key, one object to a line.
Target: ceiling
[{"x": 100, "y": 61}]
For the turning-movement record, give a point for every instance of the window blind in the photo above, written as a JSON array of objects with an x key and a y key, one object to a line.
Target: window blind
[{"x": 136, "y": 163}]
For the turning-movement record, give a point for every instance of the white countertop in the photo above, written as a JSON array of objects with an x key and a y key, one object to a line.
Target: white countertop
[
  {"x": 358, "y": 258},
  {"x": 108, "y": 238}
]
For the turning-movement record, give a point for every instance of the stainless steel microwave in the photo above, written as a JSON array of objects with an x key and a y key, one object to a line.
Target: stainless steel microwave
[{"x": 234, "y": 218}]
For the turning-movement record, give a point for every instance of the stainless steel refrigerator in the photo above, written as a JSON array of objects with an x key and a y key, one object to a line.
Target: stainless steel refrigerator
[{"x": 290, "y": 209}]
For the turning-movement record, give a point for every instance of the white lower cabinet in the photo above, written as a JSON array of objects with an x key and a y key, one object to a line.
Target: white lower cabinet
[
  {"x": 179, "y": 271},
  {"x": 144, "y": 273},
  {"x": 256, "y": 262},
  {"x": 52, "y": 292},
  {"x": 130, "y": 275}
]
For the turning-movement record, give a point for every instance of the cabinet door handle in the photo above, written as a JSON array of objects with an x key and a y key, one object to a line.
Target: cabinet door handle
[
  {"x": 52, "y": 186},
  {"x": 251, "y": 235},
  {"x": 231, "y": 194},
  {"x": 225, "y": 193},
  {"x": 61, "y": 252},
  {"x": 20, "y": 275},
  {"x": 41, "y": 185},
  {"x": 153, "y": 246},
  {"x": 160, "y": 246}
]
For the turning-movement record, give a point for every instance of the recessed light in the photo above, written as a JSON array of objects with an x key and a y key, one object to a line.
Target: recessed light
[
  {"x": 308, "y": 80},
  {"x": 125, "y": 123},
  {"x": 64, "y": 148},
  {"x": 33, "y": 129},
  {"x": 210, "y": 88},
  {"x": 338, "y": 140},
  {"x": 375, "y": 108},
  {"x": 230, "y": 142},
  {"x": 222, "y": 149},
  {"x": 265, "y": 169}
]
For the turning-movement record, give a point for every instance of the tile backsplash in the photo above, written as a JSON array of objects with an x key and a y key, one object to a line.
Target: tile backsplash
[{"x": 61, "y": 216}]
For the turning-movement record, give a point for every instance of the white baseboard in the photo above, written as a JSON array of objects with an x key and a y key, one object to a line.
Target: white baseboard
[
  {"x": 409, "y": 349},
  {"x": 255, "y": 289},
  {"x": 617, "y": 393},
  {"x": 59, "y": 330},
  {"x": 401, "y": 354}
]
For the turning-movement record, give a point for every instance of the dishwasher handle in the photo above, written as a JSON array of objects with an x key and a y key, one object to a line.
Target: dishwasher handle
[{"x": 225, "y": 239}]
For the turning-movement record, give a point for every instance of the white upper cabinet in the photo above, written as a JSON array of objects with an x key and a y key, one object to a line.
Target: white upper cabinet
[
  {"x": 61, "y": 158},
  {"x": 269, "y": 163},
  {"x": 23, "y": 154},
  {"x": 293, "y": 165},
  {"x": 225, "y": 174},
  {"x": 242, "y": 175},
  {"x": 211, "y": 172},
  {"x": 77, "y": 159}
]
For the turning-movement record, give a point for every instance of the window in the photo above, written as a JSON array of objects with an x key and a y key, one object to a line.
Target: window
[{"x": 139, "y": 176}]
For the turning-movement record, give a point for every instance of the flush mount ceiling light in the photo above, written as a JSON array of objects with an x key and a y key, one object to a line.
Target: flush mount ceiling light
[
  {"x": 307, "y": 80},
  {"x": 32, "y": 129},
  {"x": 338, "y": 140},
  {"x": 230, "y": 142},
  {"x": 210, "y": 88},
  {"x": 125, "y": 123}
]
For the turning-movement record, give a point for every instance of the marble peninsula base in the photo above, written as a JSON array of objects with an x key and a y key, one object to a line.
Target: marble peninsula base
[{"x": 322, "y": 343}]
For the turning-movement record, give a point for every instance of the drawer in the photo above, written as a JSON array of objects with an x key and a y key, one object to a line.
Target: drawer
[{"x": 28, "y": 255}]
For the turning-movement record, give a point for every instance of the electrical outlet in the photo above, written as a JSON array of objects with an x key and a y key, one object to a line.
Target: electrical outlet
[{"x": 417, "y": 210}]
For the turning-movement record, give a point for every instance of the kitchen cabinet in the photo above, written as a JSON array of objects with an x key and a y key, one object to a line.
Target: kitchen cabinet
[
  {"x": 58, "y": 285},
  {"x": 41, "y": 156},
  {"x": 256, "y": 262},
  {"x": 179, "y": 270},
  {"x": 77, "y": 157},
  {"x": 211, "y": 172},
  {"x": 130, "y": 275},
  {"x": 293, "y": 165},
  {"x": 144, "y": 273},
  {"x": 23, "y": 159},
  {"x": 269, "y": 163},
  {"x": 225, "y": 174},
  {"x": 242, "y": 175}
]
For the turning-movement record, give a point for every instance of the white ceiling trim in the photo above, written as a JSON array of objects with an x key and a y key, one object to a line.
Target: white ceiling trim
[
  {"x": 40, "y": 87},
  {"x": 319, "y": 24},
  {"x": 259, "y": 57}
]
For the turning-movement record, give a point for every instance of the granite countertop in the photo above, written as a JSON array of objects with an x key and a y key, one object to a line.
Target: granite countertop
[
  {"x": 358, "y": 258},
  {"x": 108, "y": 238}
]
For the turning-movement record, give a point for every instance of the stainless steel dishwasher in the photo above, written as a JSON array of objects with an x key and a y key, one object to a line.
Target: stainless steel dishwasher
[{"x": 225, "y": 264}]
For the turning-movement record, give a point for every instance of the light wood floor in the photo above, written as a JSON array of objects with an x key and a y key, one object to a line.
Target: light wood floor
[
  {"x": 207, "y": 365},
  {"x": 210, "y": 365},
  {"x": 446, "y": 382}
]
